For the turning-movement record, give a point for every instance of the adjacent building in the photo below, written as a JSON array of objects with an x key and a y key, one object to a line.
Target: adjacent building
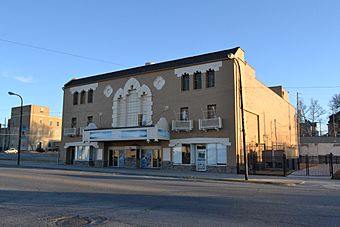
[
  {"x": 334, "y": 125},
  {"x": 39, "y": 128},
  {"x": 182, "y": 114}
]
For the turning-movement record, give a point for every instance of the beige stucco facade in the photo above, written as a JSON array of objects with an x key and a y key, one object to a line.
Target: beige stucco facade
[
  {"x": 269, "y": 118},
  {"x": 39, "y": 128}
]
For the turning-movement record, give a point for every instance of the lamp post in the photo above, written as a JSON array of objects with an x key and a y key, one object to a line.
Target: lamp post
[
  {"x": 233, "y": 57},
  {"x": 20, "y": 124}
]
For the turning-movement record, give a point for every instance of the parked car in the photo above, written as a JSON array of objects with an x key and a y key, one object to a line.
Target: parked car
[{"x": 11, "y": 151}]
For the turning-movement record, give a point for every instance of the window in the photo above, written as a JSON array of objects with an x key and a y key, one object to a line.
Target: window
[
  {"x": 75, "y": 98},
  {"x": 51, "y": 123},
  {"x": 197, "y": 80},
  {"x": 181, "y": 154},
  {"x": 184, "y": 114},
  {"x": 82, "y": 97},
  {"x": 210, "y": 78},
  {"x": 82, "y": 153},
  {"x": 185, "y": 82},
  {"x": 132, "y": 108},
  {"x": 216, "y": 154},
  {"x": 211, "y": 111},
  {"x": 89, "y": 119},
  {"x": 57, "y": 123},
  {"x": 74, "y": 122},
  {"x": 90, "y": 96}
]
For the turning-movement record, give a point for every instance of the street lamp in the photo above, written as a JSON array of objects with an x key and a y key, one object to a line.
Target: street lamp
[
  {"x": 233, "y": 57},
  {"x": 20, "y": 125}
]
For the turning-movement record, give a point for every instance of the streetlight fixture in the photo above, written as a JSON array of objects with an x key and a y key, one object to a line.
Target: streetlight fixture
[
  {"x": 20, "y": 124},
  {"x": 233, "y": 57}
]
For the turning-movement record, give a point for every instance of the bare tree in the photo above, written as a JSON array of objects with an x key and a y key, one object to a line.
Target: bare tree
[
  {"x": 303, "y": 110},
  {"x": 334, "y": 103},
  {"x": 315, "y": 112}
]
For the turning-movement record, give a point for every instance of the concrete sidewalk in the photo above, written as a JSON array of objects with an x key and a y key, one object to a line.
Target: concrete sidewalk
[{"x": 274, "y": 180}]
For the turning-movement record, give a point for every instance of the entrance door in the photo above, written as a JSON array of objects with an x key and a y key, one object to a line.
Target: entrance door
[
  {"x": 92, "y": 156},
  {"x": 118, "y": 158},
  {"x": 110, "y": 157},
  {"x": 157, "y": 158},
  {"x": 201, "y": 158},
  {"x": 70, "y": 155}
]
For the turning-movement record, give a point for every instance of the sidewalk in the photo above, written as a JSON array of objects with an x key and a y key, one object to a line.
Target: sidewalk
[{"x": 281, "y": 181}]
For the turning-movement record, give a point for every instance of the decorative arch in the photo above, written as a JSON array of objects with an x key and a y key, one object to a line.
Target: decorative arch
[
  {"x": 132, "y": 105},
  {"x": 131, "y": 84}
]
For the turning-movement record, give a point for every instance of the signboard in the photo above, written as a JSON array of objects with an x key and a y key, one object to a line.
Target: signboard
[
  {"x": 145, "y": 133},
  {"x": 201, "y": 161}
]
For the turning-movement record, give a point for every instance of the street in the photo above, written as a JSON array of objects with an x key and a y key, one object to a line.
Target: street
[{"x": 40, "y": 197}]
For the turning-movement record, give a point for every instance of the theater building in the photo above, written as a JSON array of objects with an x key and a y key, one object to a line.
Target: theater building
[{"x": 181, "y": 114}]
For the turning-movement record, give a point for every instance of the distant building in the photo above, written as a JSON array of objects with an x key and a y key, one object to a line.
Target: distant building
[
  {"x": 182, "y": 114},
  {"x": 308, "y": 129},
  {"x": 38, "y": 127},
  {"x": 4, "y": 138},
  {"x": 334, "y": 125}
]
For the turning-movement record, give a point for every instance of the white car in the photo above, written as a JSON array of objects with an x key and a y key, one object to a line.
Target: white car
[{"x": 11, "y": 151}]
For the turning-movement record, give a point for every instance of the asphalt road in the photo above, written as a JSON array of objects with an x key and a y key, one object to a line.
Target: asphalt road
[{"x": 39, "y": 197}]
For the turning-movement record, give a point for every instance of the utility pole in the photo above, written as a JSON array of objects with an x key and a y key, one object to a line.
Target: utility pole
[
  {"x": 298, "y": 121},
  {"x": 334, "y": 131}
]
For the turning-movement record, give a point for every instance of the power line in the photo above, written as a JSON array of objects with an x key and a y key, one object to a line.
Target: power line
[{"x": 61, "y": 52}]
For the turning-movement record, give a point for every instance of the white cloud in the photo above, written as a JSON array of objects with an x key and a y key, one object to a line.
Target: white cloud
[
  {"x": 22, "y": 79},
  {"x": 27, "y": 79}
]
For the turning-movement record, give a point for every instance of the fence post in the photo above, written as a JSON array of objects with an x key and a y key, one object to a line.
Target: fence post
[
  {"x": 284, "y": 164},
  {"x": 307, "y": 165},
  {"x": 331, "y": 165}
]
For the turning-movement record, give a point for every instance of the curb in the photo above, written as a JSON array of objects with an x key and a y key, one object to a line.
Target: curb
[{"x": 254, "y": 181}]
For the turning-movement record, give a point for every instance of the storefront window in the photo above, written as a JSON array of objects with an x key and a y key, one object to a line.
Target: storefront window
[
  {"x": 181, "y": 154},
  {"x": 221, "y": 154},
  {"x": 82, "y": 153},
  {"x": 217, "y": 154},
  {"x": 211, "y": 154},
  {"x": 131, "y": 153}
]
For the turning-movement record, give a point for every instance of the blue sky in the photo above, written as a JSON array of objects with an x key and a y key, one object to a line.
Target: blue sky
[{"x": 293, "y": 43}]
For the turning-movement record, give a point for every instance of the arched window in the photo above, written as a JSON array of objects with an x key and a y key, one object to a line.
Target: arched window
[
  {"x": 82, "y": 97},
  {"x": 185, "y": 82},
  {"x": 121, "y": 106},
  {"x": 75, "y": 98},
  {"x": 132, "y": 106},
  {"x": 210, "y": 78},
  {"x": 90, "y": 96}
]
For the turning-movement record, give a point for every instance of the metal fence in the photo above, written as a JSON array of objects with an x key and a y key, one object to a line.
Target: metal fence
[
  {"x": 321, "y": 165},
  {"x": 266, "y": 160}
]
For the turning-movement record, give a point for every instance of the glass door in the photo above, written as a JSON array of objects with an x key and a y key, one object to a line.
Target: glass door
[
  {"x": 201, "y": 162},
  {"x": 156, "y": 160}
]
